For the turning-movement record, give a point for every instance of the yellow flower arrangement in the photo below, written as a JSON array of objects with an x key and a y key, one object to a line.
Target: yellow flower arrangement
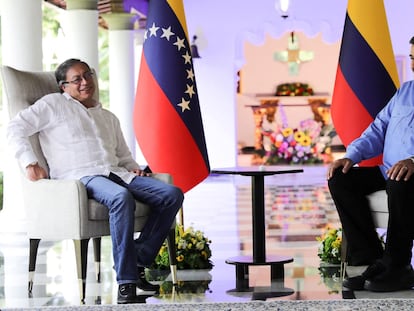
[
  {"x": 193, "y": 251},
  {"x": 330, "y": 246},
  {"x": 309, "y": 143}
]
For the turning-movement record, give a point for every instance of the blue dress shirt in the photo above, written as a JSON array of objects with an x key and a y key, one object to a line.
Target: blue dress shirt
[{"x": 391, "y": 133}]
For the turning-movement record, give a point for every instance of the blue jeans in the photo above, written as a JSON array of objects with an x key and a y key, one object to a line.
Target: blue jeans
[{"x": 164, "y": 199}]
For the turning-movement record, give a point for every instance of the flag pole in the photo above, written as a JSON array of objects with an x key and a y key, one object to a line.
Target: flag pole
[{"x": 181, "y": 217}]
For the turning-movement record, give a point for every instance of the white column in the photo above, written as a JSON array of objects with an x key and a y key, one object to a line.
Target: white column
[
  {"x": 122, "y": 72},
  {"x": 21, "y": 33},
  {"x": 139, "y": 40},
  {"x": 80, "y": 26}
]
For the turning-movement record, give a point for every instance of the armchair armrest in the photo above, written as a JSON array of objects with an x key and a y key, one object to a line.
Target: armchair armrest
[{"x": 53, "y": 208}]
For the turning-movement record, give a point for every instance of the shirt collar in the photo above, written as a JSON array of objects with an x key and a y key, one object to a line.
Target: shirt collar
[{"x": 68, "y": 97}]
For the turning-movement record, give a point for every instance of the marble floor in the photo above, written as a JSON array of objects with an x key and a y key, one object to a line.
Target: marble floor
[{"x": 298, "y": 209}]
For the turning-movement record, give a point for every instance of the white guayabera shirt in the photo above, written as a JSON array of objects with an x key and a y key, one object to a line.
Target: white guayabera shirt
[{"x": 76, "y": 141}]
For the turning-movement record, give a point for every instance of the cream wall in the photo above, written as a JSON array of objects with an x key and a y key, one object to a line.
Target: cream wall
[
  {"x": 223, "y": 27},
  {"x": 261, "y": 73}
]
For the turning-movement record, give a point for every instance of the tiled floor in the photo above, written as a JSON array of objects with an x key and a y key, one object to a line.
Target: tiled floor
[{"x": 298, "y": 207}]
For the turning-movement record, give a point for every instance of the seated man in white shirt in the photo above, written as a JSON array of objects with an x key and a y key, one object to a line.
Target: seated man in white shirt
[{"x": 81, "y": 140}]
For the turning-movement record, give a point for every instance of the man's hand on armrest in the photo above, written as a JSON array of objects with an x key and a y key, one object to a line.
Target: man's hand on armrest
[{"x": 35, "y": 172}]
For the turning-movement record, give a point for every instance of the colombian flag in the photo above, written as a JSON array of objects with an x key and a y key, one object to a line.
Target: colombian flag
[
  {"x": 167, "y": 117},
  {"x": 367, "y": 75}
]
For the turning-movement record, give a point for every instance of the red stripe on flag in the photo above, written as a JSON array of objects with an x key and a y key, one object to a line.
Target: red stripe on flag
[
  {"x": 164, "y": 139},
  {"x": 347, "y": 109}
]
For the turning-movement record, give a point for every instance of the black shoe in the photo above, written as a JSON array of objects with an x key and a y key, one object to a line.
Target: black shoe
[
  {"x": 358, "y": 282},
  {"x": 393, "y": 279},
  {"x": 127, "y": 293},
  {"x": 144, "y": 285}
]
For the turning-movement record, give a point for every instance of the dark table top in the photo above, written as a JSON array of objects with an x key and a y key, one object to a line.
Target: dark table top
[{"x": 262, "y": 170}]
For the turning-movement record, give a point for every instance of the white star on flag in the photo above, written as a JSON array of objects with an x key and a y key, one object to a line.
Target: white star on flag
[
  {"x": 167, "y": 33},
  {"x": 185, "y": 105},
  {"x": 153, "y": 30},
  {"x": 190, "y": 74},
  {"x": 179, "y": 43},
  {"x": 187, "y": 57},
  {"x": 166, "y": 99},
  {"x": 190, "y": 90}
]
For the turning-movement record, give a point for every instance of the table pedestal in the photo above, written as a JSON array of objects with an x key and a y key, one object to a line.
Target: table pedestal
[
  {"x": 242, "y": 263},
  {"x": 259, "y": 257}
]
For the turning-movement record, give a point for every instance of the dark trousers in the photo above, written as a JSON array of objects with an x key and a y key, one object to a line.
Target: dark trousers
[{"x": 349, "y": 194}]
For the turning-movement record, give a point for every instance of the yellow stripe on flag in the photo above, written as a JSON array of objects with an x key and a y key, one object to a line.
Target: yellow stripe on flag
[
  {"x": 370, "y": 19},
  {"x": 178, "y": 7}
]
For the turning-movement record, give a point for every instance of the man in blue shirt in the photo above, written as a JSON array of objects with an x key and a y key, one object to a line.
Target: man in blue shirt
[{"x": 390, "y": 134}]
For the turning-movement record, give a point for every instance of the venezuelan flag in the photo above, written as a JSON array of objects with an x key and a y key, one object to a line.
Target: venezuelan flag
[
  {"x": 167, "y": 118},
  {"x": 367, "y": 75}
]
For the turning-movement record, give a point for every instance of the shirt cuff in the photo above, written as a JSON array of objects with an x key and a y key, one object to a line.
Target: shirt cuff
[
  {"x": 26, "y": 159},
  {"x": 353, "y": 158}
]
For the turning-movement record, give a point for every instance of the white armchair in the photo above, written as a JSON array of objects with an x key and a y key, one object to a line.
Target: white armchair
[
  {"x": 379, "y": 209},
  {"x": 60, "y": 209}
]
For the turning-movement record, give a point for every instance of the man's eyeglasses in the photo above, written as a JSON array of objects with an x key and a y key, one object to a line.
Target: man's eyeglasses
[{"x": 78, "y": 80}]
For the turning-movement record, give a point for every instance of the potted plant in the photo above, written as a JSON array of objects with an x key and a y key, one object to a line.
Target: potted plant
[
  {"x": 329, "y": 250},
  {"x": 193, "y": 252}
]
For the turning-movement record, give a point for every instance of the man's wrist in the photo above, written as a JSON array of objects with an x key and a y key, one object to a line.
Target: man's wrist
[
  {"x": 32, "y": 164},
  {"x": 412, "y": 159}
]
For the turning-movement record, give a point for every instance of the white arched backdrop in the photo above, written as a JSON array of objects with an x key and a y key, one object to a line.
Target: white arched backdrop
[{"x": 222, "y": 28}]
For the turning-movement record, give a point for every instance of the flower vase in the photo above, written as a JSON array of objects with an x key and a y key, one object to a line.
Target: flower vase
[
  {"x": 331, "y": 276},
  {"x": 156, "y": 274}
]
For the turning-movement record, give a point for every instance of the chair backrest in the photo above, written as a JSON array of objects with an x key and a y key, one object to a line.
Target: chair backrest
[{"x": 24, "y": 88}]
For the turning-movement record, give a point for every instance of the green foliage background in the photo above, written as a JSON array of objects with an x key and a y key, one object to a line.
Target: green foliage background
[{"x": 52, "y": 28}]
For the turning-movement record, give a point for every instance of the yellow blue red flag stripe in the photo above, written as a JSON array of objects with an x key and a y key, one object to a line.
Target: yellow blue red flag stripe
[
  {"x": 167, "y": 117},
  {"x": 366, "y": 76}
]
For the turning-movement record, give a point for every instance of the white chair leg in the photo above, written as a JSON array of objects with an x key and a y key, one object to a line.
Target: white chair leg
[
  {"x": 97, "y": 255},
  {"x": 33, "y": 247},
  {"x": 172, "y": 255},
  {"x": 174, "y": 274},
  {"x": 344, "y": 251},
  {"x": 81, "y": 252}
]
